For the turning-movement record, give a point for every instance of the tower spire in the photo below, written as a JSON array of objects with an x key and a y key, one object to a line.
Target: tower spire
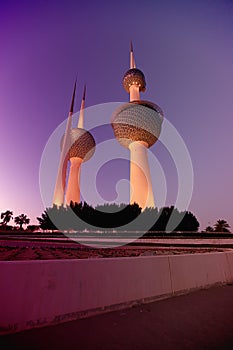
[
  {"x": 132, "y": 60},
  {"x": 73, "y": 98},
  {"x": 81, "y": 114}
]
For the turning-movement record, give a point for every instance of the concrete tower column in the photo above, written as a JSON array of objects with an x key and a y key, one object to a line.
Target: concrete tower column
[
  {"x": 73, "y": 185},
  {"x": 134, "y": 93},
  {"x": 140, "y": 180}
]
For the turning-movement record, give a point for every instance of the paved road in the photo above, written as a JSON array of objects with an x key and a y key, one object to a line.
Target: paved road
[{"x": 202, "y": 320}]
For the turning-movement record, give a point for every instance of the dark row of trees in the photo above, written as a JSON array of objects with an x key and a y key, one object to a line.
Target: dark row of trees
[{"x": 81, "y": 216}]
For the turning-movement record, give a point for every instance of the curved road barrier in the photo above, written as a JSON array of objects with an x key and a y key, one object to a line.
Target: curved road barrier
[{"x": 41, "y": 293}]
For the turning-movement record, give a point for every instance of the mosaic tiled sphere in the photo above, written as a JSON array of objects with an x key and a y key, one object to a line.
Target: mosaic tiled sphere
[
  {"x": 82, "y": 144},
  {"x": 137, "y": 121},
  {"x": 134, "y": 77}
]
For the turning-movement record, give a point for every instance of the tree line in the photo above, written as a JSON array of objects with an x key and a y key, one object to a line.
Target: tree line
[
  {"x": 81, "y": 216},
  {"x": 115, "y": 216}
]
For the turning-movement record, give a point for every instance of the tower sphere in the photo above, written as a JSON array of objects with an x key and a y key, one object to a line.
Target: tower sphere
[
  {"x": 82, "y": 144},
  {"x": 137, "y": 121},
  {"x": 134, "y": 77}
]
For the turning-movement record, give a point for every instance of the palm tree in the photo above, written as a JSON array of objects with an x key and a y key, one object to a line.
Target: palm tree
[
  {"x": 221, "y": 226},
  {"x": 6, "y": 216},
  {"x": 21, "y": 220},
  {"x": 209, "y": 229}
]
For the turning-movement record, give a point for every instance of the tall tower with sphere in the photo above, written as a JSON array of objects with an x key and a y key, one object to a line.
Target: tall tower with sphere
[
  {"x": 137, "y": 126},
  {"x": 77, "y": 146}
]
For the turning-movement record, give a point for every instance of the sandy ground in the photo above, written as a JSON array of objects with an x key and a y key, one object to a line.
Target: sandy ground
[{"x": 80, "y": 252}]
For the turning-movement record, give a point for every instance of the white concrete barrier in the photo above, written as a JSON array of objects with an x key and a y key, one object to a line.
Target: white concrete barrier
[
  {"x": 40, "y": 293},
  {"x": 198, "y": 270},
  {"x": 229, "y": 257}
]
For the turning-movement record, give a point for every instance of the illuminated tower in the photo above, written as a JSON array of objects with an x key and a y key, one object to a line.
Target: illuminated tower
[
  {"x": 82, "y": 149},
  {"x": 59, "y": 190},
  {"x": 78, "y": 146},
  {"x": 137, "y": 126}
]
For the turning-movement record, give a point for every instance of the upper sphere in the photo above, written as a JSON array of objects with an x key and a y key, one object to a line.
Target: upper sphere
[
  {"x": 82, "y": 144},
  {"x": 137, "y": 121},
  {"x": 134, "y": 77}
]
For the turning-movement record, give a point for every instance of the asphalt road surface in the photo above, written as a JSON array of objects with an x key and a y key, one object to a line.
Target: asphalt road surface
[{"x": 202, "y": 320}]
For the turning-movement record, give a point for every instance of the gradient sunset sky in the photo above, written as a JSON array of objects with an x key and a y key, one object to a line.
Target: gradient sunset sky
[{"x": 183, "y": 47}]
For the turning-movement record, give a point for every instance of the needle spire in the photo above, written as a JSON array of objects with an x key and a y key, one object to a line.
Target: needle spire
[
  {"x": 73, "y": 98},
  {"x": 81, "y": 114},
  {"x": 132, "y": 60}
]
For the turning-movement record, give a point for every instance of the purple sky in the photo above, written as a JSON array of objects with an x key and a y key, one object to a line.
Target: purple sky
[{"x": 184, "y": 49}]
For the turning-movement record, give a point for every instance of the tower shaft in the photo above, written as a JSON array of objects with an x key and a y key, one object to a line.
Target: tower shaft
[
  {"x": 134, "y": 93},
  {"x": 73, "y": 186},
  {"x": 58, "y": 197},
  {"x": 141, "y": 190}
]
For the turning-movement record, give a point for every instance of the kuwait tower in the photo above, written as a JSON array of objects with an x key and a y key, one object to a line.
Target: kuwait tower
[
  {"x": 77, "y": 146},
  {"x": 137, "y": 126}
]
